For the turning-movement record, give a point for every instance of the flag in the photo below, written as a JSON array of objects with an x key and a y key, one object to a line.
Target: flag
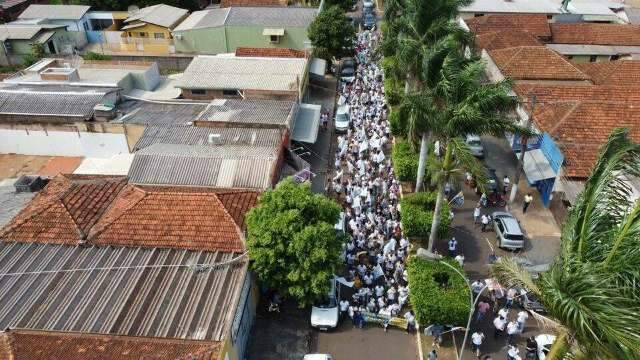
[{"x": 457, "y": 200}]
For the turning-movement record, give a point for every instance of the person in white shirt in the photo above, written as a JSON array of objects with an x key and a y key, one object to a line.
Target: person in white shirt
[
  {"x": 460, "y": 259},
  {"x": 485, "y": 222},
  {"x": 522, "y": 318},
  {"x": 476, "y": 215},
  {"x": 499, "y": 323},
  {"x": 504, "y": 312},
  {"x": 511, "y": 294},
  {"x": 477, "y": 286},
  {"x": 513, "y": 353},
  {"x": 411, "y": 321},
  {"x": 512, "y": 331},
  {"x": 344, "y": 308},
  {"x": 379, "y": 291},
  {"x": 505, "y": 184},
  {"x": 453, "y": 245},
  {"x": 476, "y": 341}
]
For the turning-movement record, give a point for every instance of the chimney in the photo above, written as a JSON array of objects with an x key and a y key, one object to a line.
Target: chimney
[
  {"x": 215, "y": 139},
  {"x": 59, "y": 74}
]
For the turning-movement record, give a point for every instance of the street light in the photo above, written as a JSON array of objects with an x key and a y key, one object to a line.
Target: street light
[{"x": 472, "y": 301}]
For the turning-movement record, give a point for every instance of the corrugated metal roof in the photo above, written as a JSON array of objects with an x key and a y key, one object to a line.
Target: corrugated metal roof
[
  {"x": 241, "y": 166},
  {"x": 579, "y": 49},
  {"x": 65, "y": 101},
  {"x": 160, "y": 14},
  {"x": 243, "y": 73},
  {"x": 200, "y": 136},
  {"x": 54, "y": 12},
  {"x": 271, "y": 112},
  {"x": 250, "y": 16},
  {"x": 512, "y": 6},
  {"x": 21, "y": 32},
  {"x": 159, "y": 114},
  {"x": 170, "y": 302}
]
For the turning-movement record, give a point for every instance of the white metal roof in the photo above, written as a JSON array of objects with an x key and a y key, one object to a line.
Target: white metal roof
[
  {"x": 513, "y": 6},
  {"x": 54, "y": 12},
  {"x": 161, "y": 14}
]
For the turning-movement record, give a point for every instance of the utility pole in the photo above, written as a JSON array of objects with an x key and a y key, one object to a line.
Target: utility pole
[{"x": 523, "y": 148}]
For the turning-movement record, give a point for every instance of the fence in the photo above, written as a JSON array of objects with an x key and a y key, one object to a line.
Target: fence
[{"x": 115, "y": 42}]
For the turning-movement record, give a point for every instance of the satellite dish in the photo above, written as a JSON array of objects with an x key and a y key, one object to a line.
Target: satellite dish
[{"x": 132, "y": 9}]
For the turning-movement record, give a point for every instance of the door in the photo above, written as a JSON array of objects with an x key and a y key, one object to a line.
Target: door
[{"x": 52, "y": 48}]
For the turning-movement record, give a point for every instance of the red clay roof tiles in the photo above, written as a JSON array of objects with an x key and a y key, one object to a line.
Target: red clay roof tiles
[
  {"x": 270, "y": 52},
  {"x": 536, "y": 24},
  {"x": 505, "y": 39},
  {"x": 595, "y": 34},
  {"x": 623, "y": 72},
  {"x": 21, "y": 344},
  {"x": 106, "y": 211},
  {"x": 535, "y": 63}
]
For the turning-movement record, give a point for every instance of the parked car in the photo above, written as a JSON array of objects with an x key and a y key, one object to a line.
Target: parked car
[
  {"x": 325, "y": 312},
  {"x": 342, "y": 119},
  {"x": 492, "y": 185},
  {"x": 529, "y": 302},
  {"x": 544, "y": 345},
  {"x": 368, "y": 21},
  {"x": 475, "y": 145},
  {"x": 368, "y": 5},
  {"x": 508, "y": 232},
  {"x": 317, "y": 357},
  {"x": 347, "y": 70}
]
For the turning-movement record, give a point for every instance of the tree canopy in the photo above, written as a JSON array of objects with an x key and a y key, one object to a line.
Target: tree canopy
[
  {"x": 122, "y": 5},
  {"x": 331, "y": 34},
  {"x": 292, "y": 242}
]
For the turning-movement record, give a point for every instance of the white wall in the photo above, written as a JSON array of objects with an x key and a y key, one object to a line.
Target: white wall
[{"x": 62, "y": 143}]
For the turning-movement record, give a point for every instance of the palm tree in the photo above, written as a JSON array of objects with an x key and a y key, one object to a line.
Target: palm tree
[
  {"x": 419, "y": 40},
  {"x": 463, "y": 105},
  {"x": 591, "y": 291}
]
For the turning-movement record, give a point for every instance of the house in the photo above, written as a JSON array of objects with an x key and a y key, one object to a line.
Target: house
[
  {"x": 153, "y": 22},
  {"x": 203, "y": 296},
  {"x": 586, "y": 42},
  {"x": 479, "y": 8},
  {"x": 625, "y": 72},
  {"x": 73, "y": 17},
  {"x": 535, "y": 24},
  {"x": 10, "y": 9},
  {"x": 47, "y": 345},
  {"x": 249, "y": 113},
  {"x": 19, "y": 39},
  {"x": 531, "y": 63},
  {"x": 222, "y": 30},
  {"x": 224, "y": 76},
  {"x": 591, "y": 12}
]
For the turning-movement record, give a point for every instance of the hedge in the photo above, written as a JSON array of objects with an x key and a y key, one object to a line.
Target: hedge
[
  {"x": 405, "y": 161},
  {"x": 416, "y": 211},
  {"x": 432, "y": 302}
]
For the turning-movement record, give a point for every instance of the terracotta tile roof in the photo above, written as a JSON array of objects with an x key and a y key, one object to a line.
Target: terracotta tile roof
[
  {"x": 580, "y": 118},
  {"x": 172, "y": 218},
  {"x": 595, "y": 34},
  {"x": 535, "y": 63},
  {"x": 65, "y": 210},
  {"x": 46, "y": 345},
  {"x": 106, "y": 211},
  {"x": 270, "y": 52},
  {"x": 536, "y": 24},
  {"x": 505, "y": 39},
  {"x": 625, "y": 72}
]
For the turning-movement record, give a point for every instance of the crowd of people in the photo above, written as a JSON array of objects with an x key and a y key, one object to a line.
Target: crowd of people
[{"x": 365, "y": 184}]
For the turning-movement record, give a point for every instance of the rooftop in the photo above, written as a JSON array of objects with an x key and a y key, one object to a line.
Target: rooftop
[
  {"x": 152, "y": 113},
  {"x": 202, "y": 136},
  {"x": 12, "y": 31},
  {"x": 160, "y": 14},
  {"x": 250, "y": 112},
  {"x": 152, "y": 293},
  {"x": 11, "y": 202},
  {"x": 244, "y": 73},
  {"x": 54, "y": 12},
  {"x": 104, "y": 210},
  {"x": 535, "y": 63},
  {"x": 625, "y": 72},
  {"x": 270, "y": 52},
  {"x": 536, "y": 24},
  {"x": 513, "y": 6},
  {"x": 239, "y": 166},
  {"x": 22, "y": 344},
  {"x": 581, "y": 49},
  {"x": 595, "y": 34},
  {"x": 249, "y": 16},
  {"x": 505, "y": 39}
]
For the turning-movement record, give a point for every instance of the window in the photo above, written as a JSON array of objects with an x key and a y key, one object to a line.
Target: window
[
  {"x": 230, "y": 92},
  {"x": 198, "y": 91},
  {"x": 570, "y": 57},
  {"x": 274, "y": 39},
  {"x": 500, "y": 227},
  {"x": 158, "y": 35},
  {"x": 549, "y": 17},
  {"x": 593, "y": 58},
  {"x": 86, "y": 26},
  {"x": 478, "y": 15},
  {"x": 142, "y": 34},
  {"x": 130, "y": 35},
  {"x": 615, "y": 57}
]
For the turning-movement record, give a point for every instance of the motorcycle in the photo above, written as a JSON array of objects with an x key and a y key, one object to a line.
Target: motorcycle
[{"x": 493, "y": 200}]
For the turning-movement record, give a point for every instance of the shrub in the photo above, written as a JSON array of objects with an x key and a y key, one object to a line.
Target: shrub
[
  {"x": 438, "y": 294},
  {"x": 392, "y": 91},
  {"x": 405, "y": 161},
  {"x": 95, "y": 56},
  {"x": 416, "y": 211}
]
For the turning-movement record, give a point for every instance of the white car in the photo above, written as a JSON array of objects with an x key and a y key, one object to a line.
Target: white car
[
  {"x": 342, "y": 119},
  {"x": 475, "y": 145},
  {"x": 368, "y": 4},
  {"x": 317, "y": 357},
  {"x": 325, "y": 313},
  {"x": 544, "y": 345},
  {"x": 508, "y": 232}
]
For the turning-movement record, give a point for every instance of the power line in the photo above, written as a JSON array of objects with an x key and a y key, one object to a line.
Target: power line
[{"x": 195, "y": 267}]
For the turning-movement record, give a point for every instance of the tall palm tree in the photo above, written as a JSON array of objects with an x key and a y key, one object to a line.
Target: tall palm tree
[
  {"x": 463, "y": 105},
  {"x": 592, "y": 290}
]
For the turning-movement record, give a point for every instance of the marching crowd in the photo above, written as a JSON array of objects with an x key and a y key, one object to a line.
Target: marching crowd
[{"x": 365, "y": 184}]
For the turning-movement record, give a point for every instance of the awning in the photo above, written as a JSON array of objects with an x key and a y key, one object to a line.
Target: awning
[
  {"x": 318, "y": 67},
  {"x": 272, "y": 32},
  {"x": 602, "y": 17},
  {"x": 307, "y": 123},
  {"x": 537, "y": 167}
]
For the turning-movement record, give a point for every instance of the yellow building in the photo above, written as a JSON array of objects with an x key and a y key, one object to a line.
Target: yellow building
[{"x": 153, "y": 23}]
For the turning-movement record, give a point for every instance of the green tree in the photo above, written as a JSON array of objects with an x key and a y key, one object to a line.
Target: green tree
[
  {"x": 123, "y": 5},
  {"x": 331, "y": 34},
  {"x": 460, "y": 103},
  {"x": 343, "y": 4},
  {"x": 591, "y": 292},
  {"x": 292, "y": 242}
]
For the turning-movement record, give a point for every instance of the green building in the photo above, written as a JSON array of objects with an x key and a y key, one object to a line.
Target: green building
[
  {"x": 17, "y": 40},
  {"x": 223, "y": 30}
]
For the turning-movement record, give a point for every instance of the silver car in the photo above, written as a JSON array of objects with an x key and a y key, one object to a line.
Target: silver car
[
  {"x": 325, "y": 313},
  {"x": 475, "y": 145},
  {"x": 508, "y": 232},
  {"x": 342, "y": 119}
]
